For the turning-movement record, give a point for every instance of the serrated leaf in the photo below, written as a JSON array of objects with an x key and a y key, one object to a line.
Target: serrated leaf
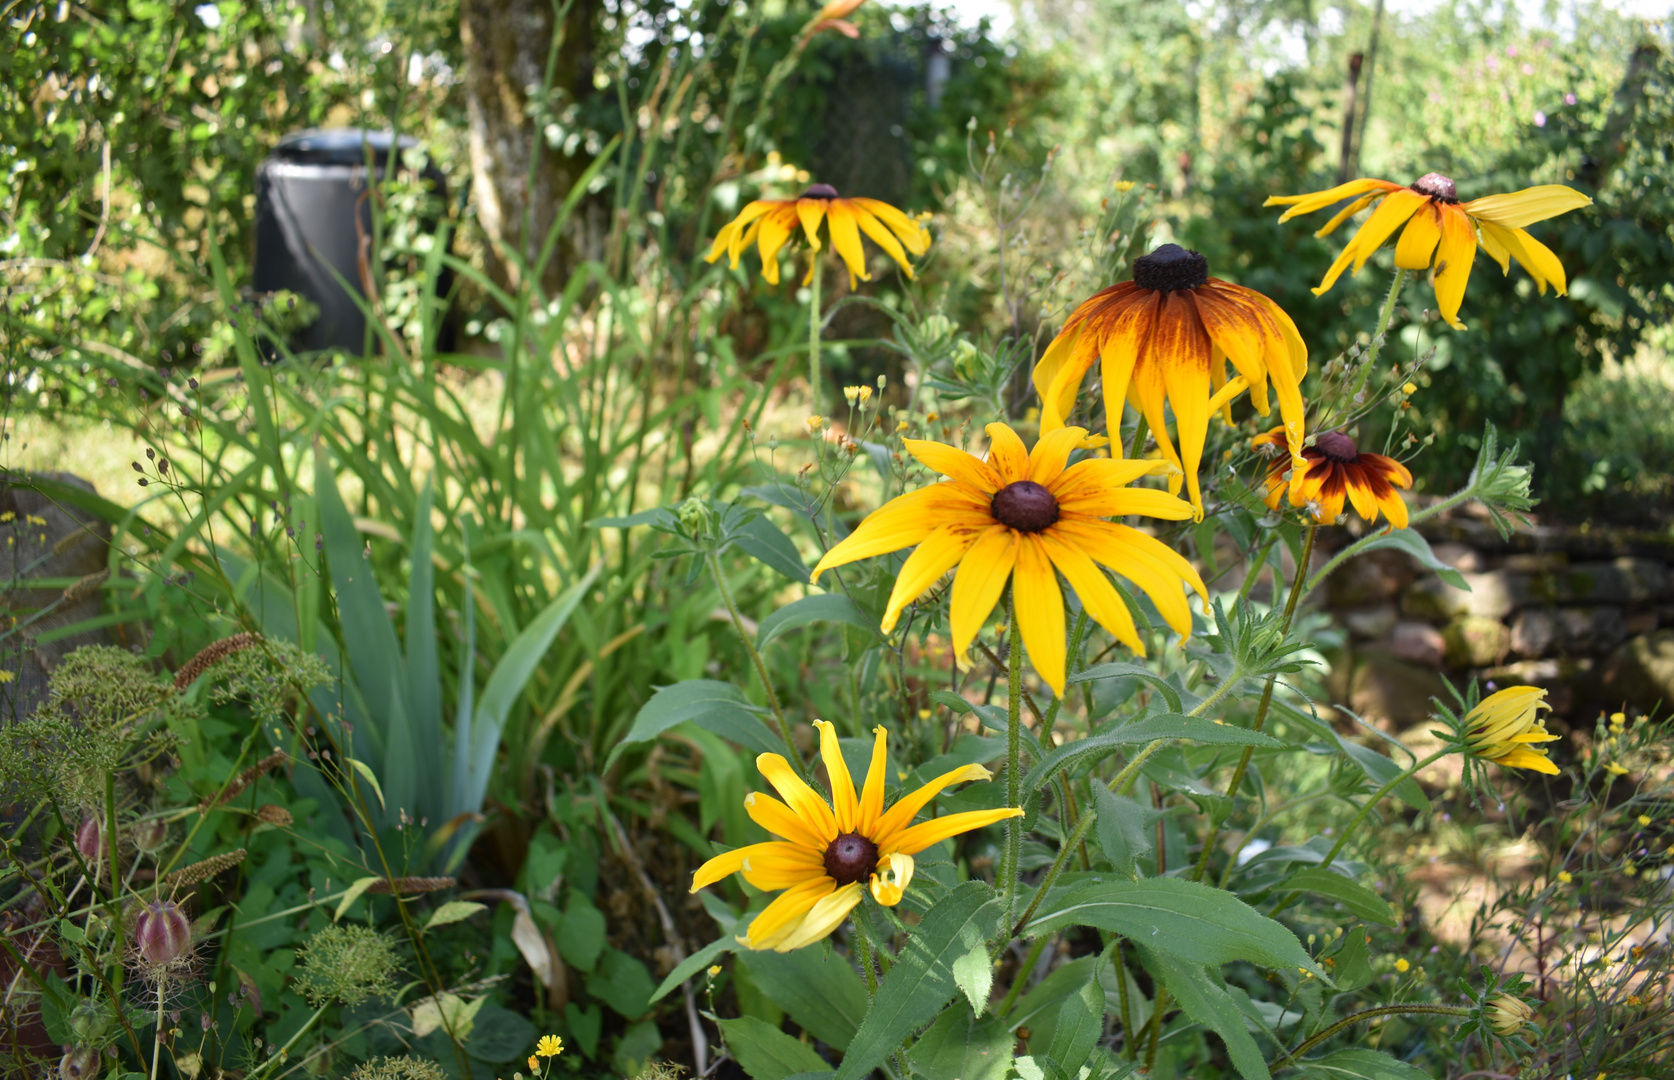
[
  {"x": 1146, "y": 730},
  {"x": 1185, "y": 918},
  {"x": 974, "y": 974},
  {"x": 766, "y": 1053},
  {"x": 1127, "y": 669},
  {"x": 961, "y": 1046},
  {"x": 1203, "y": 996},
  {"x": 351, "y": 894},
  {"x": 819, "y": 990},
  {"x": 825, "y": 607},
  {"x": 453, "y": 911},
  {"x": 1345, "y": 890},
  {"x": 1353, "y": 966},
  {"x": 1124, "y": 829},
  {"x": 921, "y": 982},
  {"x": 1079, "y": 1028},
  {"x": 1360, "y": 1065}
]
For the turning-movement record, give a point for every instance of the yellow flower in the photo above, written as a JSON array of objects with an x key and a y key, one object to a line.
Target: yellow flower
[
  {"x": 1409, "y": 388},
  {"x": 1504, "y": 727},
  {"x": 1616, "y": 769},
  {"x": 814, "y": 424},
  {"x": 534, "y": 1063},
  {"x": 1167, "y": 336},
  {"x": 6, "y": 676},
  {"x": 828, "y": 851},
  {"x": 1402, "y": 966},
  {"x": 1441, "y": 233},
  {"x": 1565, "y": 877},
  {"x": 770, "y": 223},
  {"x": 1644, "y": 819},
  {"x": 1507, "y": 1014},
  {"x": 714, "y": 970},
  {"x": 1332, "y": 469},
  {"x": 1024, "y": 517},
  {"x": 1124, "y": 186},
  {"x": 549, "y": 1046}
]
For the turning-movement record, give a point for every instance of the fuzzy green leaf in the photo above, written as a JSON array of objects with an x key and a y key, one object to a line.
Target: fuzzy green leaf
[
  {"x": 1360, "y": 1065},
  {"x": 766, "y": 1053},
  {"x": 825, "y": 607},
  {"x": 1204, "y": 997},
  {"x": 960, "y": 1046},
  {"x": 1345, "y": 890},
  {"x": 1145, "y": 730}
]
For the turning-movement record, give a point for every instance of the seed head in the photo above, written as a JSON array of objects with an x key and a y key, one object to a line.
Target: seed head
[
  {"x": 162, "y": 935},
  {"x": 90, "y": 838}
]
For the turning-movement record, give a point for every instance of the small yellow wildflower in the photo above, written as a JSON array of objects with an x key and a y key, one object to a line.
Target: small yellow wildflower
[
  {"x": 1410, "y": 388},
  {"x": 534, "y": 1063},
  {"x": 7, "y": 516},
  {"x": 1633, "y": 999},
  {"x": 900, "y": 425},
  {"x": 6, "y": 676},
  {"x": 1644, "y": 819},
  {"x": 714, "y": 970},
  {"x": 1615, "y": 769},
  {"x": 865, "y": 395},
  {"x": 1565, "y": 877},
  {"x": 1618, "y": 719},
  {"x": 814, "y": 424},
  {"x": 932, "y": 417},
  {"x": 552, "y": 1045},
  {"x": 851, "y": 394},
  {"x": 33, "y": 520},
  {"x": 1402, "y": 966},
  {"x": 1629, "y": 869}
]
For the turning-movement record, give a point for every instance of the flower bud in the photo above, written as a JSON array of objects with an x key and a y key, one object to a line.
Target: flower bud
[
  {"x": 150, "y": 834},
  {"x": 78, "y": 1063},
  {"x": 1507, "y": 1014},
  {"x": 90, "y": 838},
  {"x": 162, "y": 933}
]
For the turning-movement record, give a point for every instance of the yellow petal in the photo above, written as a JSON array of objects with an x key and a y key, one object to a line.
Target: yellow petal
[
  {"x": 899, "y": 816},
  {"x": 872, "y": 795},
  {"x": 1098, "y": 597},
  {"x": 809, "y": 212},
  {"x": 939, "y": 553},
  {"x": 1345, "y": 213},
  {"x": 1453, "y": 266},
  {"x": 1418, "y": 241},
  {"x": 844, "y": 802},
  {"x": 1319, "y": 200},
  {"x": 845, "y": 238},
  {"x": 982, "y": 576},
  {"x": 1534, "y": 760},
  {"x": 1119, "y": 356},
  {"x": 781, "y": 820},
  {"x": 1520, "y": 209},
  {"x": 1531, "y": 254},
  {"x": 1054, "y": 379},
  {"x": 902, "y": 522},
  {"x": 1051, "y": 453},
  {"x": 956, "y": 464},
  {"x": 803, "y": 800},
  {"x": 775, "y": 230},
  {"x": 1092, "y": 477},
  {"x": 789, "y": 866},
  {"x": 1040, "y": 610},
  {"x": 1120, "y": 502},
  {"x": 724, "y": 238},
  {"x": 934, "y": 831},
  {"x": 1006, "y": 453},
  {"x": 784, "y": 915},
  {"x": 825, "y": 916},
  {"x": 914, "y": 236},
  {"x": 727, "y": 864},
  {"x": 882, "y": 237},
  {"x": 890, "y": 881}
]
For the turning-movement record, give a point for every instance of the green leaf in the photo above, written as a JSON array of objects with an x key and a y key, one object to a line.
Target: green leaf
[
  {"x": 1185, "y": 918},
  {"x": 1129, "y": 670},
  {"x": 826, "y": 607},
  {"x": 715, "y": 706},
  {"x": 507, "y": 681},
  {"x": 960, "y": 1046},
  {"x": 1146, "y": 730},
  {"x": 1037, "y": 1010},
  {"x": 817, "y": 989},
  {"x": 766, "y": 1053},
  {"x": 451, "y": 912},
  {"x": 1354, "y": 968},
  {"x": 424, "y": 670},
  {"x": 1381, "y": 770},
  {"x": 693, "y": 964},
  {"x": 1360, "y": 1065},
  {"x": 623, "y": 983},
  {"x": 351, "y": 894},
  {"x": 1345, "y": 890},
  {"x": 1079, "y": 1028},
  {"x": 921, "y": 982},
  {"x": 974, "y": 974},
  {"x": 1204, "y": 997},
  {"x": 581, "y": 934},
  {"x": 1413, "y": 543},
  {"x": 656, "y": 516},
  {"x": 1124, "y": 828},
  {"x": 761, "y": 540},
  {"x": 499, "y": 1035}
]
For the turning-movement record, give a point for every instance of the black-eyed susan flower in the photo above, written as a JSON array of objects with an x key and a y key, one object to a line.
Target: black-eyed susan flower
[
  {"x": 1025, "y": 518},
  {"x": 828, "y": 852},
  {"x": 1333, "y": 469},
  {"x": 771, "y": 223},
  {"x": 1167, "y": 335},
  {"x": 1506, "y": 727},
  {"x": 1439, "y": 233},
  {"x": 1507, "y": 1014}
]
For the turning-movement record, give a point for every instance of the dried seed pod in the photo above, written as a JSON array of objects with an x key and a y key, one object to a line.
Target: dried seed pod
[
  {"x": 78, "y": 1063},
  {"x": 273, "y": 814},
  {"x": 90, "y": 838},
  {"x": 211, "y": 653},
  {"x": 407, "y": 886},
  {"x": 204, "y": 870},
  {"x": 150, "y": 834},
  {"x": 244, "y": 780}
]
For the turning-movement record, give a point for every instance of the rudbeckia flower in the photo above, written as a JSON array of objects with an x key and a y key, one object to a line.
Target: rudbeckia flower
[
  {"x": 1025, "y": 517},
  {"x": 770, "y": 223},
  {"x": 1167, "y": 335},
  {"x": 828, "y": 852},
  {"x": 1441, "y": 233},
  {"x": 1504, "y": 727},
  {"x": 1332, "y": 469}
]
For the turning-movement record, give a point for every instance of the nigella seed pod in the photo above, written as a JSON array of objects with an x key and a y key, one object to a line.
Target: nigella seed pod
[
  {"x": 162, "y": 934},
  {"x": 90, "y": 839},
  {"x": 78, "y": 1063},
  {"x": 150, "y": 835}
]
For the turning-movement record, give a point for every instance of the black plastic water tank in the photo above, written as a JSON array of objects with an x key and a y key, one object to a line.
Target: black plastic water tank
[{"x": 312, "y": 215}]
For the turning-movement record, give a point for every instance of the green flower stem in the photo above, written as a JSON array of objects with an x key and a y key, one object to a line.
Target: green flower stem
[
  {"x": 1118, "y": 785},
  {"x": 1266, "y": 698},
  {"x": 283, "y": 1051},
  {"x": 157, "y": 1043},
  {"x": 1369, "y": 1014},
  {"x": 1141, "y": 429},
  {"x": 1463, "y": 495},
  {"x": 755, "y": 657},
  {"x": 1014, "y": 752},
  {"x": 1365, "y": 809},
  {"x": 1384, "y": 316},
  {"x": 814, "y": 329},
  {"x": 1017, "y": 984},
  {"x": 1127, "y": 1010},
  {"x": 864, "y": 944}
]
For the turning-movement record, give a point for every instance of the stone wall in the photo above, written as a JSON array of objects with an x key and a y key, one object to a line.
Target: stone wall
[{"x": 1587, "y": 613}]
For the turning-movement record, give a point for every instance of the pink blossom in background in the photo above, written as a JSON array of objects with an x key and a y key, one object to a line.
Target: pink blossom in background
[{"x": 1540, "y": 118}]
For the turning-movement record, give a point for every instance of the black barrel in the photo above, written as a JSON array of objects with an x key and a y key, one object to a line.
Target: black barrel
[{"x": 313, "y": 214}]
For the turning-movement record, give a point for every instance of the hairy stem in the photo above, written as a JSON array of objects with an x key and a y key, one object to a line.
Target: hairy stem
[
  {"x": 1384, "y": 316},
  {"x": 1014, "y": 751},
  {"x": 814, "y": 329},
  {"x": 1369, "y": 1014}
]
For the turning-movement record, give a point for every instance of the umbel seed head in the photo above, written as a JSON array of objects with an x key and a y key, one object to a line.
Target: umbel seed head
[
  {"x": 162, "y": 934},
  {"x": 1170, "y": 267}
]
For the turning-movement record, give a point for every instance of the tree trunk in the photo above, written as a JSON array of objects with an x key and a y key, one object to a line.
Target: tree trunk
[{"x": 519, "y": 179}]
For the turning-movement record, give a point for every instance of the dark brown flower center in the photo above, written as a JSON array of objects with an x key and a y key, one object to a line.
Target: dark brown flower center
[
  {"x": 1337, "y": 447},
  {"x": 1025, "y": 506},
  {"x": 819, "y": 191},
  {"x": 1438, "y": 187},
  {"x": 1170, "y": 267},
  {"x": 850, "y": 858}
]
